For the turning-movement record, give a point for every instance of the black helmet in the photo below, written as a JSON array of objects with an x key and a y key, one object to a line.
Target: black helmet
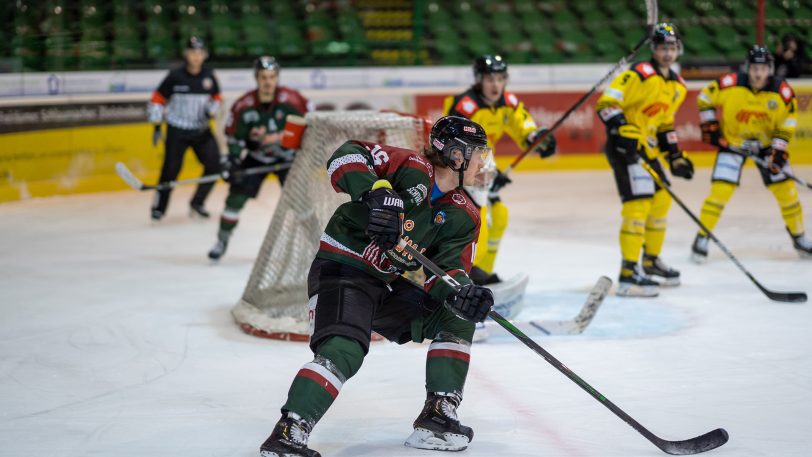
[
  {"x": 452, "y": 135},
  {"x": 195, "y": 43},
  {"x": 666, "y": 33},
  {"x": 759, "y": 54},
  {"x": 488, "y": 63},
  {"x": 265, "y": 63}
]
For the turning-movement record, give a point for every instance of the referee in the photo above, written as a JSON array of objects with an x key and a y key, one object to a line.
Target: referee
[{"x": 188, "y": 97}]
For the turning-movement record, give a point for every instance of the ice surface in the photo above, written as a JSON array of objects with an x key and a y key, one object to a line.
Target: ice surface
[{"x": 116, "y": 337}]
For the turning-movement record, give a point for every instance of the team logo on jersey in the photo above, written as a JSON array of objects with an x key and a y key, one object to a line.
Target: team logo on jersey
[
  {"x": 655, "y": 108},
  {"x": 745, "y": 116},
  {"x": 772, "y": 104},
  {"x": 207, "y": 83},
  {"x": 279, "y": 114},
  {"x": 439, "y": 218},
  {"x": 418, "y": 193},
  {"x": 408, "y": 225},
  {"x": 458, "y": 199}
]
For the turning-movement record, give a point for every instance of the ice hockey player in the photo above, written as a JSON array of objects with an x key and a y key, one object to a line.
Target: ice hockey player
[
  {"x": 498, "y": 111},
  {"x": 355, "y": 284},
  {"x": 190, "y": 96},
  {"x": 759, "y": 117},
  {"x": 255, "y": 125},
  {"x": 638, "y": 110}
]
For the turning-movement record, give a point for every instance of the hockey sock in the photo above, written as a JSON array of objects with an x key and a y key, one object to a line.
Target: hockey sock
[
  {"x": 498, "y": 224},
  {"x": 720, "y": 194},
  {"x": 318, "y": 383},
  {"x": 449, "y": 353},
  {"x": 656, "y": 223},
  {"x": 481, "y": 253},
  {"x": 231, "y": 214},
  {"x": 787, "y": 196},
  {"x": 633, "y": 228}
]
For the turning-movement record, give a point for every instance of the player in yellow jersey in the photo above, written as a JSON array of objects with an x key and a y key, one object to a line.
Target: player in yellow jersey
[
  {"x": 638, "y": 111},
  {"x": 499, "y": 112},
  {"x": 758, "y": 117}
]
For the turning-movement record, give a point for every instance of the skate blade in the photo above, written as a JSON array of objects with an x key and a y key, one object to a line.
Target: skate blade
[
  {"x": 425, "y": 439},
  {"x": 698, "y": 259},
  {"x": 633, "y": 290},
  {"x": 803, "y": 254},
  {"x": 668, "y": 282}
]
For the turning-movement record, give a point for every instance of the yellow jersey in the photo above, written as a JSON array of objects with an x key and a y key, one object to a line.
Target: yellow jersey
[
  {"x": 647, "y": 99},
  {"x": 767, "y": 115},
  {"x": 508, "y": 115}
]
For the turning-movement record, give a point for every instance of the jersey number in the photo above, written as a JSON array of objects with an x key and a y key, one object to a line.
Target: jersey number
[{"x": 379, "y": 156}]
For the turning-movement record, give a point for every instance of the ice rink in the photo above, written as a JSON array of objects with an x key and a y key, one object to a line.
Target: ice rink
[{"x": 117, "y": 338}]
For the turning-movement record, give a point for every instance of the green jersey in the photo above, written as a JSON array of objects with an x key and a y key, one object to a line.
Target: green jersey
[
  {"x": 445, "y": 228},
  {"x": 248, "y": 114}
]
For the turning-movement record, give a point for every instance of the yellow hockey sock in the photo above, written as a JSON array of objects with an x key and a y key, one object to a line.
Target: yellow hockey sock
[
  {"x": 633, "y": 228},
  {"x": 498, "y": 224},
  {"x": 482, "y": 241},
  {"x": 656, "y": 223},
  {"x": 787, "y": 196},
  {"x": 715, "y": 203}
]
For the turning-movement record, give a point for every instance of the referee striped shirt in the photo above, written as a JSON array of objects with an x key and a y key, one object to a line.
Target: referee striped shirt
[{"x": 187, "y": 101}]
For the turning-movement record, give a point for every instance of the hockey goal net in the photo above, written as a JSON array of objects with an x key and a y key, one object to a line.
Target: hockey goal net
[{"x": 275, "y": 303}]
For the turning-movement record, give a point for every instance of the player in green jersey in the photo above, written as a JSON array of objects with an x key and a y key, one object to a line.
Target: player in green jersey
[
  {"x": 355, "y": 282},
  {"x": 254, "y": 132}
]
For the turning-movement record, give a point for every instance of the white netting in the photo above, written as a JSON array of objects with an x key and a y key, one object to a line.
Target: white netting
[{"x": 274, "y": 303}]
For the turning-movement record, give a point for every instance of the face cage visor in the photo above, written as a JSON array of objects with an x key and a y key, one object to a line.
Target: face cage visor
[{"x": 459, "y": 150}]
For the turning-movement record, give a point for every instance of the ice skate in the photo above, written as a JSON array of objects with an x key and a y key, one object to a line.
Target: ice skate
[
  {"x": 156, "y": 215},
  {"x": 633, "y": 283},
  {"x": 288, "y": 439},
  {"x": 219, "y": 249},
  {"x": 437, "y": 427},
  {"x": 803, "y": 245},
  {"x": 654, "y": 266},
  {"x": 699, "y": 250},
  {"x": 198, "y": 211}
]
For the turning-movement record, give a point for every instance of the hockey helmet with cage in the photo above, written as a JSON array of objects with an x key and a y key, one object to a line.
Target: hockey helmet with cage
[
  {"x": 666, "y": 33},
  {"x": 455, "y": 138},
  {"x": 759, "y": 54},
  {"x": 265, "y": 63},
  {"x": 487, "y": 64}
]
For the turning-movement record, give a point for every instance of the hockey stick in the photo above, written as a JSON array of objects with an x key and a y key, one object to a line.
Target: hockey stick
[
  {"x": 763, "y": 164},
  {"x": 792, "y": 297},
  {"x": 574, "y": 326},
  {"x": 128, "y": 177},
  {"x": 651, "y": 19},
  {"x": 702, "y": 443}
]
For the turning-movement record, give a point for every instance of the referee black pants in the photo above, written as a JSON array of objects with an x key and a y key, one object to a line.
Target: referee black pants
[{"x": 205, "y": 148}]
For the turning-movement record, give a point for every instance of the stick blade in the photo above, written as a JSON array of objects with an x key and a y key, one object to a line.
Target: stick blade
[
  {"x": 125, "y": 174},
  {"x": 703, "y": 443},
  {"x": 787, "y": 297}
]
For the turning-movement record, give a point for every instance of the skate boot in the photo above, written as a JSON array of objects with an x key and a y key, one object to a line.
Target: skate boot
[
  {"x": 289, "y": 438},
  {"x": 699, "y": 250},
  {"x": 654, "y": 266},
  {"x": 156, "y": 215},
  {"x": 197, "y": 210},
  {"x": 802, "y": 244},
  {"x": 633, "y": 283},
  {"x": 219, "y": 248},
  {"x": 437, "y": 427}
]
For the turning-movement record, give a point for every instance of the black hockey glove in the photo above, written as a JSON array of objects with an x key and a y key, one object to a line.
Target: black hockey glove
[
  {"x": 776, "y": 159},
  {"x": 712, "y": 134},
  {"x": 547, "y": 147},
  {"x": 678, "y": 161},
  {"x": 499, "y": 181},
  {"x": 472, "y": 302},
  {"x": 230, "y": 169},
  {"x": 157, "y": 137},
  {"x": 385, "y": 225}
]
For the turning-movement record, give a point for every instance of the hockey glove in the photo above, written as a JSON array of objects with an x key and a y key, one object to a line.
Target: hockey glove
[
  {"x": 500, "y": 181},
  {"x": 157, "y": 137},
  {"x": 624, "y": 141},
  {"x": 547, "y": 147},
  {"x": 471, "y": 303},
  {"x": 385, "y": 225},
  {"x": 776, "y": 159},
  {"x": 712, "y": 134},
  {"x": 230, "y": 169},
  {"x": 678, "y": 161}
]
